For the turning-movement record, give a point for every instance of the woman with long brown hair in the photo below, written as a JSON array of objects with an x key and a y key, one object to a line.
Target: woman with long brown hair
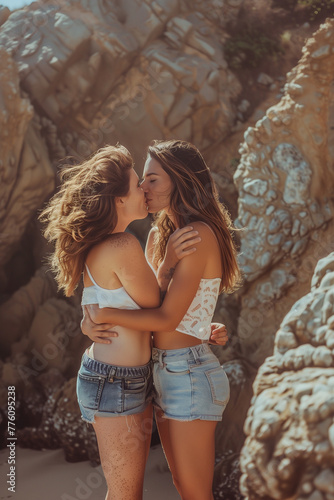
[{"x": 191, "y": 388}]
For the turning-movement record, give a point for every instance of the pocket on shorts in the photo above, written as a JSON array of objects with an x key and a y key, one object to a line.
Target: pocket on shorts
[
  {"x": 134, "y": 384},
  {"x": 89, "y": 389},
  {"x": 219, "y": 385},
  {"x": 177, "y": 367}
]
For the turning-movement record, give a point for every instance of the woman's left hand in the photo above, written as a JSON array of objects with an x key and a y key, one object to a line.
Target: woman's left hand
[
  {"x": 100, "y": 333},
  {"x": 218, "y": 334},
  {"x": 102, "y": 317}
]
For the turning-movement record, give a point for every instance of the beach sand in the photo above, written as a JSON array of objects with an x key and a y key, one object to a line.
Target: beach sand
[{"x": 45, "y": 475}]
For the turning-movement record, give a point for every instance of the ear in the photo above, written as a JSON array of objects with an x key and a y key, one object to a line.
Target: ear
[{"x": 119, "y": 202}]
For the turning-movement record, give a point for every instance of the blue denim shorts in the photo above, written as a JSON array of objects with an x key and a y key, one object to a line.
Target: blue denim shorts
[
  {"x": 189, "y": 383},
  {"x": 112, "y": 391}
]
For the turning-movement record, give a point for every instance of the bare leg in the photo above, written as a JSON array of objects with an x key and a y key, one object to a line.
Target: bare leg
[
  {"x": 190, "y": 451},
  {"x": 123, "y": 445},
  {"x": 163, "y": 429}
]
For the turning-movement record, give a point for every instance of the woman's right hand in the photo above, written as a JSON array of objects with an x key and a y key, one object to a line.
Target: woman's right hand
[{"x": 99, "y": 333}]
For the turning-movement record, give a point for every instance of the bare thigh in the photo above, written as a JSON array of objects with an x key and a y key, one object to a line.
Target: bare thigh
[
  {"x": 190, "y": 451},
  {"x": 124, "y": 445}
]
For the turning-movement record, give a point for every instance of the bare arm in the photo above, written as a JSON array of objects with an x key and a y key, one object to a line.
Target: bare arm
[
  {"x": 136, "y": 276},
  {"x": 181, "y": 291},
  {"x": 98, "y": 332},
  {"x": 180, "y": 244}
]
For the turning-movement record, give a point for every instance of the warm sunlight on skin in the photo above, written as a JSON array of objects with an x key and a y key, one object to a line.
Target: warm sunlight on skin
[
  {"x": 157, "y": 186},
  {"x": 135, "y": 204}
]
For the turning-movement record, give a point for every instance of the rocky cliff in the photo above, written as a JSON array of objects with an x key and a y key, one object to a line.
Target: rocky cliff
[
  {"x": 288, "y": 452},
  {"x": 285, "y": 182}
]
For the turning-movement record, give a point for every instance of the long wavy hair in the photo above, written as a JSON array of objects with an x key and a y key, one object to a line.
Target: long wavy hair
[
  {"x": 83, "y": 212},
  {"x": 194, "y": 197}
]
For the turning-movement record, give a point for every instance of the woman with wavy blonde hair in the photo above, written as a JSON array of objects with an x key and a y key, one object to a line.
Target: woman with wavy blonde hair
[
  {"x": 191, "y": 388},
  {"x": 86, "y": 219}
]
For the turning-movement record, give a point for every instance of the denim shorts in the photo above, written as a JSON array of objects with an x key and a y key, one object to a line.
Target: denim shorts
[
  {"x": 112, "y": 391},
  {"x": 189, "y": 383}
]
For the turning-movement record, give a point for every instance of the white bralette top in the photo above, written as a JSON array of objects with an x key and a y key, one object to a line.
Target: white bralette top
[
  {"x": 197, "y": 320},
  {"x": 117, "y": 298}
]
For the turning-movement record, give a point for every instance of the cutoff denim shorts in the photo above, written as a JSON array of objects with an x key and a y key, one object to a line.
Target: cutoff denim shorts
[
  {"x": 112, "y": 391},
  {"x": 189, "y": 383}
]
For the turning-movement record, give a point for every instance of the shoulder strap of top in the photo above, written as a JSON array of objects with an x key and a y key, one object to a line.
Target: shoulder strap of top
[
  {"x": 212, "y": 231},
  {"x": 90, "y": 276}
]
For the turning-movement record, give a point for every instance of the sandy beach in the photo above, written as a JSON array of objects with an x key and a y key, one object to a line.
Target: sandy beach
[{"x": 45, "y": 475}]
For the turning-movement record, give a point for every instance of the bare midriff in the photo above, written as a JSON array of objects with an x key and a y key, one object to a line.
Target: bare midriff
[
  {"x": 174, "y": 340},
  {"x": 130, "y": 348}
]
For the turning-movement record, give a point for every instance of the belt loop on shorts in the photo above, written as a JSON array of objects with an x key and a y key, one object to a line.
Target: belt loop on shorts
[
  {"x": 111, "y": 374},
  {"x": 157, "y": 357},
  {"x": 195, "y": 354},
  {"x": 161, "y": 361}
]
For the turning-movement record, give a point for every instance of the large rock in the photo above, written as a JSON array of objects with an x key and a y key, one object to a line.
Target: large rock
[
  {"x": 18, "y": 312},
  {"x": 27, "y": 177},
  {"x": 54, "y": 339},
  {"x": 285, "y": 184},
  {"x": 100, "y": 73},
  {"x": 289, "y": 450}
]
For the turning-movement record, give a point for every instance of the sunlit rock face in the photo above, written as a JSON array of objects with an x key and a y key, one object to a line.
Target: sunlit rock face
[
  {"x": 103, "y": 70},
  {"x": 285, "y": 182},
  {"x": 289, "y": 450}
]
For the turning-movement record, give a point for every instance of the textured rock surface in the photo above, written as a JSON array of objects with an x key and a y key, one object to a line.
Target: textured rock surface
[
  {"x": 26, "y": 173},
  {"x": 289, "y": 450},
  {"x": 285, "y": 182},
  {"x": 99, "y": 77},
  {"x": 53, "y": 340},
  {"x": 18, "y": 312}
]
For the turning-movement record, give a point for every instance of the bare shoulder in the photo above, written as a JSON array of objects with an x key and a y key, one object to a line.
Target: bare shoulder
[
  {"x": 125, "y": 248},
  {"x": 122, "y": 240},
  {"x": 116, "y": 246},
  {"x": 204, "y": 230}
]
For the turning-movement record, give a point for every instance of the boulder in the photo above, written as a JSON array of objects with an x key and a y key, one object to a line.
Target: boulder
[
  {"x": 289, "y": 448},
  {"x": 285, "y": 183}
]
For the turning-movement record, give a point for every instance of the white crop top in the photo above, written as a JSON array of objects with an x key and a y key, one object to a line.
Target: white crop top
[
  {"x": 117, "y": 298},
  {"x": 197, "y": 320}
]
